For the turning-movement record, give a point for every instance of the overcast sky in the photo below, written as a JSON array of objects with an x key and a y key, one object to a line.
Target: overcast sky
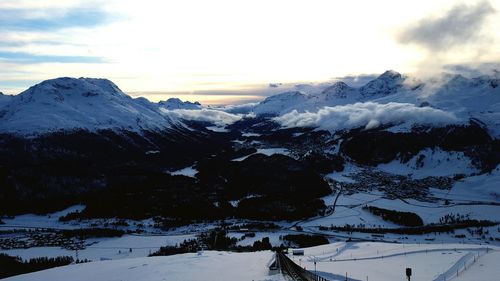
[{"x": 233, "y": 47}]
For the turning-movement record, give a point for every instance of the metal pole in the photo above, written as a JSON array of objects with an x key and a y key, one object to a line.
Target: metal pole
[{"x": 315, "y": 266}]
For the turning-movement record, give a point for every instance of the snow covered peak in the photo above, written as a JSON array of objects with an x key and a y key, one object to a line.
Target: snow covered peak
[
  {"x": 66, "y": 87},
  {"x": 84, "y": 103},
  {"x": 390, "y": 74},
  {"x": 175, "y": 103},
  {"x": 281, "y": 103},
  {"x": 387, "y": 83},
  {"x": 284, "y": 96},
  {"x": 104, "y": 84},
  {"x": 338, "y": 90}
]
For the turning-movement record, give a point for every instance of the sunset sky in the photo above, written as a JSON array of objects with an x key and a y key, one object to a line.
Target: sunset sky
[{"x": 228, "y": 51}]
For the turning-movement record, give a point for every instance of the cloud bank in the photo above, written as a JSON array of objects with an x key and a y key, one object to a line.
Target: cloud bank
[
  {"x": 369, "y": 115},
  {"x": 217, "y": 117},
  {"x": 245, "y": 108},
  {"x": 458, "y": 26}
]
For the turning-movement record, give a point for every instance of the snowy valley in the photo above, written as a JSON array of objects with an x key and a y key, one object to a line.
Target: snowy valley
[{"x": 367, "y": 180}]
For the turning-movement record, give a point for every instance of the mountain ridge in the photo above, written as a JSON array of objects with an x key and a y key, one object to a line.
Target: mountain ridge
[{"x": 93, "y": 104}]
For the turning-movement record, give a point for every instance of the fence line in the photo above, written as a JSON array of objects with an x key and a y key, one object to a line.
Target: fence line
[{"x": 462, "y": 265}]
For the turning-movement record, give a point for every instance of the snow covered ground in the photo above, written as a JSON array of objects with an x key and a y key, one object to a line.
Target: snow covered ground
[
  {"x": 481, "y": 187},
  {"x": 343, "y": 176},
  {"x": 486, "y": 269},
  {"x": 274, "y": 237},
  {"x": 372, "y": 260},
  {"x": 442, "y": 257},
  {"x": 34, "y": 221},
  {"x": 127, "y": 246},
  {"x": 385, "y": 261},
  {"x": 188, "y": 172},
  {"x": 434, "y": 261},
  {"x": 477, "y": 196},
  {"x": 210, "y": 265},
  {"x": 266, "y": 151},
  {"x": 434, "y": 163},
  {"x": 349, "y": 210}
]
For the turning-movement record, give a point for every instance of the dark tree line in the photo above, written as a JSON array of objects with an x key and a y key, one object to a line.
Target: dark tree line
[
  {"x": 305, "y": 240},
  {"x": 10, "y": 266},
  {"x": 397, "y": 217},
  {"x": 216, "y": 239},
  {"x": 416, "y": 230}
]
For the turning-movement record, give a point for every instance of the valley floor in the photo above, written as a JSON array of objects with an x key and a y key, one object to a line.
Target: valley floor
[{"x": 461, "y": 254}]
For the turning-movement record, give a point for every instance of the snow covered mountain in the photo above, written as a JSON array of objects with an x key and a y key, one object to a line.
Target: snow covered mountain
[
  {"x": 84, "y": 103},
  {"x": 280, "y": 103},
  {"x": 387, "y": 83},
  {"x": 4, "y": 99},
  {"x": 400, "y": 116},
  {"x": 390, "y": 99},
  {"x": 339, "y": 93},
  {"x": 339, "y": 90},
  {"x": 175, "y": 103}
]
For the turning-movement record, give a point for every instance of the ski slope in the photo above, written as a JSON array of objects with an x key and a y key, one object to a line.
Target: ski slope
[
  {"x": 208, "y": 265},
  {"x": 377, "y": 261}
]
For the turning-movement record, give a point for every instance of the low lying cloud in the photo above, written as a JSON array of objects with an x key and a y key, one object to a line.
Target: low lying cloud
[
  {"x": 357, "y": 80},
  {"x": 217, "y": 117},
  {"x": 245, "y": 108},
  {"x": 473, "y": 70},
  {"x": 457, "y": 27},
  {"x": 369, "y": 115}
]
